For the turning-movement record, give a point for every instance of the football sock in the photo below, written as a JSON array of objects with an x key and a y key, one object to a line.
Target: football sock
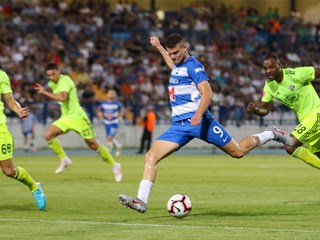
[
  {"x": 55, "y": 146},
  {"x": 264, "y": 137},
  {"x": 23, "y": 176},
  {"x": 105, "y": 155},
  {"x": 305, "y": 155},
  {"x": 144, "y": 190},
  {"x": 110, "y": 145},
  {"x": 116, "y": 143}
]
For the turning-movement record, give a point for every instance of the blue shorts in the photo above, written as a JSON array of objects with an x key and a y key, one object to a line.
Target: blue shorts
[
  {"x": 111, "y": 129},
  {"x": 209, "y": 130}
]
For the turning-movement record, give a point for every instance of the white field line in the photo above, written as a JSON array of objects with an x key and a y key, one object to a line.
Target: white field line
[{"x": 161, "y": 225}]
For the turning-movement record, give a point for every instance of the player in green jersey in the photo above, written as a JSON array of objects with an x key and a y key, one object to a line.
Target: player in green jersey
[
  {"x": 7, "y": 147},
  {"x": 73, "y": 118},
  {"x": 293, "y": 87}
]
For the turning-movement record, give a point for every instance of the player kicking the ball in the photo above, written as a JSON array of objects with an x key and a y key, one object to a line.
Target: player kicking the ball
[{"x": 190, "y": 95}]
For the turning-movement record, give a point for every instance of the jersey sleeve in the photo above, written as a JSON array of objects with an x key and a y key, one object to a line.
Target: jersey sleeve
[
  {"x": 197, "y": 73},
  {"x": 266, "y": 94},
  {"x": 5, "y": 86},
  {"x": 64, "y": 86},
  {"x": 305, "y": 74}
]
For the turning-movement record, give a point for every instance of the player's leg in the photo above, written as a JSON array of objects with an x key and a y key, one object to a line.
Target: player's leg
[
  {"x": 216, "y": 134},
  {"x": 118, "y": 147},
  {"x": 170, "y": 141},
  {"x": 109, "y": 137},
  {"x": 54, "y": 144},
  {"x": 85, "y": 129},
  {"x": 105, "y": 156},
  {"x": 18, "y": 173},
  {"x": 112, "y": 139},
  {"x": 159, "y": 150},
  {"x": 307, "y": 132}
]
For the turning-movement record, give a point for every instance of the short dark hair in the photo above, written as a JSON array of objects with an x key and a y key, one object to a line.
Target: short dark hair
[
  {"x": 173, "y": 40},
  {"x": 272, "y": 56},
  {"x": 51, "y": 66}
]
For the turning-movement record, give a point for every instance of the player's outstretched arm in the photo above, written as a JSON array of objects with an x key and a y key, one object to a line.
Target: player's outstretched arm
[
  {"x": 316, "y": 72},
  {"x": 156, "y": 43},
  {"x": 262, "y": 110},
  {"x": 60, "y": 97},
  {"x": 15, "y": 106}
]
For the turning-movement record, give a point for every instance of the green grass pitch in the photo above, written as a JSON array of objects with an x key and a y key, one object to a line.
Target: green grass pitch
[{"x": 258, "y": 197}]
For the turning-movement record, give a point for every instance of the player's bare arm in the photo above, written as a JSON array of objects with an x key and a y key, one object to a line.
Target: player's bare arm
[
  {"x": 206, "y": 96},
  {"x": 15, "y": 106},
  {"x": 154, "y": 41},
  {"x": 262, "y": 109},
  {"x": 316, "y": 72},
  {"x": 60, "y": 97}
]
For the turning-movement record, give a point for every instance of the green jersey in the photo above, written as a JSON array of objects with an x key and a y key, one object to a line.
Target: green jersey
[
  {"x": 295, "y": 91},
  {"x": 5, "y": 87},
  {"x": 71, "y": 107}
]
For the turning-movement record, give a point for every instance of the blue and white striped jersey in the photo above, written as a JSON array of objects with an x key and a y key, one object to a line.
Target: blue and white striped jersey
[
  {"x": 111, "y": 111},
  {"x": 183, "y": 92}
]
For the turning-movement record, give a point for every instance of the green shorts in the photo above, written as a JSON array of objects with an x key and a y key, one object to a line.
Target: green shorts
[
  {"x": 308, "y": 131},
  {"x": 6, "y": 143},
  {"x": 81, "y": 125}
]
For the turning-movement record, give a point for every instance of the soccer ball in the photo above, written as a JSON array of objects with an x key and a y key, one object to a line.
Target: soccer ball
[{"x": 179, "y": 206}]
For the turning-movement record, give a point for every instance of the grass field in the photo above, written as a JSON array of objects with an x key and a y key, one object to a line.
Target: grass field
[{"x": 257, "y": 197}]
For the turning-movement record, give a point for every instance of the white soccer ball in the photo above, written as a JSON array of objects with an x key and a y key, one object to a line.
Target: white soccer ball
[{"x": 179, "y": 206}]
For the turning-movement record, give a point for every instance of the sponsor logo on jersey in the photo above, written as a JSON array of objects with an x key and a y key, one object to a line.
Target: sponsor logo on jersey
[
  {"x": 198, "y": 70},
  {"x": 291, "y": 99}
]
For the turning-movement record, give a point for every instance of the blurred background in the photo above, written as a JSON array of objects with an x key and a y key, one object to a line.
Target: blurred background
[{"x": 105, "y": 44}]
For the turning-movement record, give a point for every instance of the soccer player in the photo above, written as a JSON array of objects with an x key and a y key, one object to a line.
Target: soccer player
[
  {"x": 7, "y": 147},
  {"x": 110, "y": 111},
  {"x": 73, "y": 118},
  {"x": 190, "y": 95},
  {"x": 293, "y": 87}
]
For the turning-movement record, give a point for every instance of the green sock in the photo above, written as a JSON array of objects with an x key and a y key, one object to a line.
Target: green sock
[
  {"x": 55, "y": 146},
  {"x": 105, "y": 155},
  {"x": 305, "y": 155},
  {"x": 23, "y": 176}
]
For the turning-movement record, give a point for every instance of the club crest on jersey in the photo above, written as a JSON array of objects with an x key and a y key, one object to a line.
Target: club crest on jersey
[
  {"x": 173, "y": 80},
  {"x": 292, "y": 87}
]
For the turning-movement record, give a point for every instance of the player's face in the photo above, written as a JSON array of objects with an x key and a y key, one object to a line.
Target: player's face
[
  {"x": 178, "y": 53},
  {"x": 112, "y": 94},
  {"x": 272, "y": 69},
  {"x": 53, "y": 75}
]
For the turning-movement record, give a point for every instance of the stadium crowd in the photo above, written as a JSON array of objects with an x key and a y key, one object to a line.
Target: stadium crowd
[{"x": 102, "y": 47}]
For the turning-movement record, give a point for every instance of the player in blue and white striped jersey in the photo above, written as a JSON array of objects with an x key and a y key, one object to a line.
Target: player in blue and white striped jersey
[
  {"x": 110, "y": 111},
  {"x": 190, "y": 95}
]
